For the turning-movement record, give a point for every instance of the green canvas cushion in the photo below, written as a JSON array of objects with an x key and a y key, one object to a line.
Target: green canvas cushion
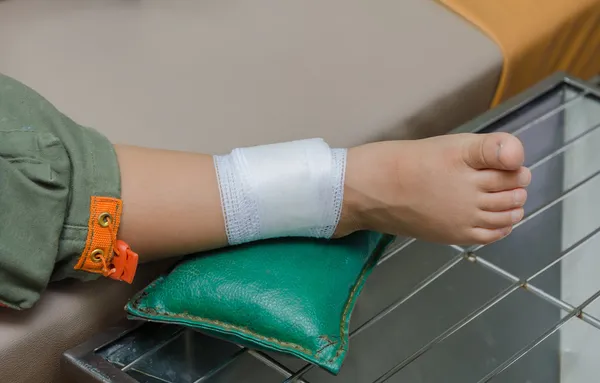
[{"x": 289, "y": 295}]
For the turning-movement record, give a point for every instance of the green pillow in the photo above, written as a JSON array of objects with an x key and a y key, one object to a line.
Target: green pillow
[{"x": 289, "y": 295}]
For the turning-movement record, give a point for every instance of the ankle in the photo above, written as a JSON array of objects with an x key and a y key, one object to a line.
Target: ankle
[
  {"x": 350, "y": 218},
  {"x": 356, "y": 203}
]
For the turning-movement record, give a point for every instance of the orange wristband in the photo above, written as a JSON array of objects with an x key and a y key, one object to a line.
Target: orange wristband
[{"x": 103, "y": 253}]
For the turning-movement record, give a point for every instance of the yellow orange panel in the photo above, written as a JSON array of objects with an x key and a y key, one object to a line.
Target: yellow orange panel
[{"x": 537, "y": 37}]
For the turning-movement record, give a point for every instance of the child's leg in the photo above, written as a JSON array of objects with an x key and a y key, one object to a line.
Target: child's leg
[
  {"x": 171, "y": 202},
  {"x": 453, "y": 189},
  {"x": 64, "y": 191}
]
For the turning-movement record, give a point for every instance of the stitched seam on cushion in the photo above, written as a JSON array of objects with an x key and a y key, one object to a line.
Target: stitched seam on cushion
[
  {"x": 330, "y": 343},
  {"x": 221, "y": 324},
  {"x": 274, "y": 340},
  {"x": 236, "y": 328},
  {"x": 343, "y": 328},
  {"x": 343, "y": 325}
]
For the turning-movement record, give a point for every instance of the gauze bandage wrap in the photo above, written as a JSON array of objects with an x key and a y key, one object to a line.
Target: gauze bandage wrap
[{"x": 292, "y": 189}]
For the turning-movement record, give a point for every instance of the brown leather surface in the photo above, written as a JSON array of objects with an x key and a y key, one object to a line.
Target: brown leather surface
[
  {"x": 214, "y": 75},
  {"x": 31, "y": 342},
  {"x": 223, "y": 74}
]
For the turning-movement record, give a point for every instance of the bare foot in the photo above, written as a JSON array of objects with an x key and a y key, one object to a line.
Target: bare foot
[{"x": 456, "y": 189}]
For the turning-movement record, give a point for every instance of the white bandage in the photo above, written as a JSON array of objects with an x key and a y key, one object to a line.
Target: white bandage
[{"x": 292, "y": 189}]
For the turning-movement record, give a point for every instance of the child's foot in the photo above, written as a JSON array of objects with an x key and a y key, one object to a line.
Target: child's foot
[{"x": 458, "y": 189}]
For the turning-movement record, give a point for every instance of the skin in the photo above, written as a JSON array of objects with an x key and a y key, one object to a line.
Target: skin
[
  {"x": 455, "y": 189},
  {"x": 185, "y": 214}
]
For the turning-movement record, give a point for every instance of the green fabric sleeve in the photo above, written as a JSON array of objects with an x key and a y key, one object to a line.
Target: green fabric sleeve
[
  {"x": 49, "y": 169},
  {"x": 34, "y": 186}
]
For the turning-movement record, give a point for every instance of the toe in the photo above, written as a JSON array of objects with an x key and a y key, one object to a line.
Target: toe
[
  {"x": 493, "y": 151},
  {"x": 498, "y": 180},
  {"x": 502, "y": 201},
  {"x": 484, "y": 236},
  {"x": 497, "y": 220}
]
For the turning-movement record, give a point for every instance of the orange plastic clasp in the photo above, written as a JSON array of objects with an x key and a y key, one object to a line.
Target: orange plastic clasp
[{"x": 124, "y": 263}]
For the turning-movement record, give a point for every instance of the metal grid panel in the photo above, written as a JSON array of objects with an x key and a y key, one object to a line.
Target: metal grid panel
[
  {"x": 502, "y": 281},
  {"x": 582, "y": 99}
]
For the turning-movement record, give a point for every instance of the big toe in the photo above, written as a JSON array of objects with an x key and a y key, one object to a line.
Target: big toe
[{"x": 501, "y": 151}]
